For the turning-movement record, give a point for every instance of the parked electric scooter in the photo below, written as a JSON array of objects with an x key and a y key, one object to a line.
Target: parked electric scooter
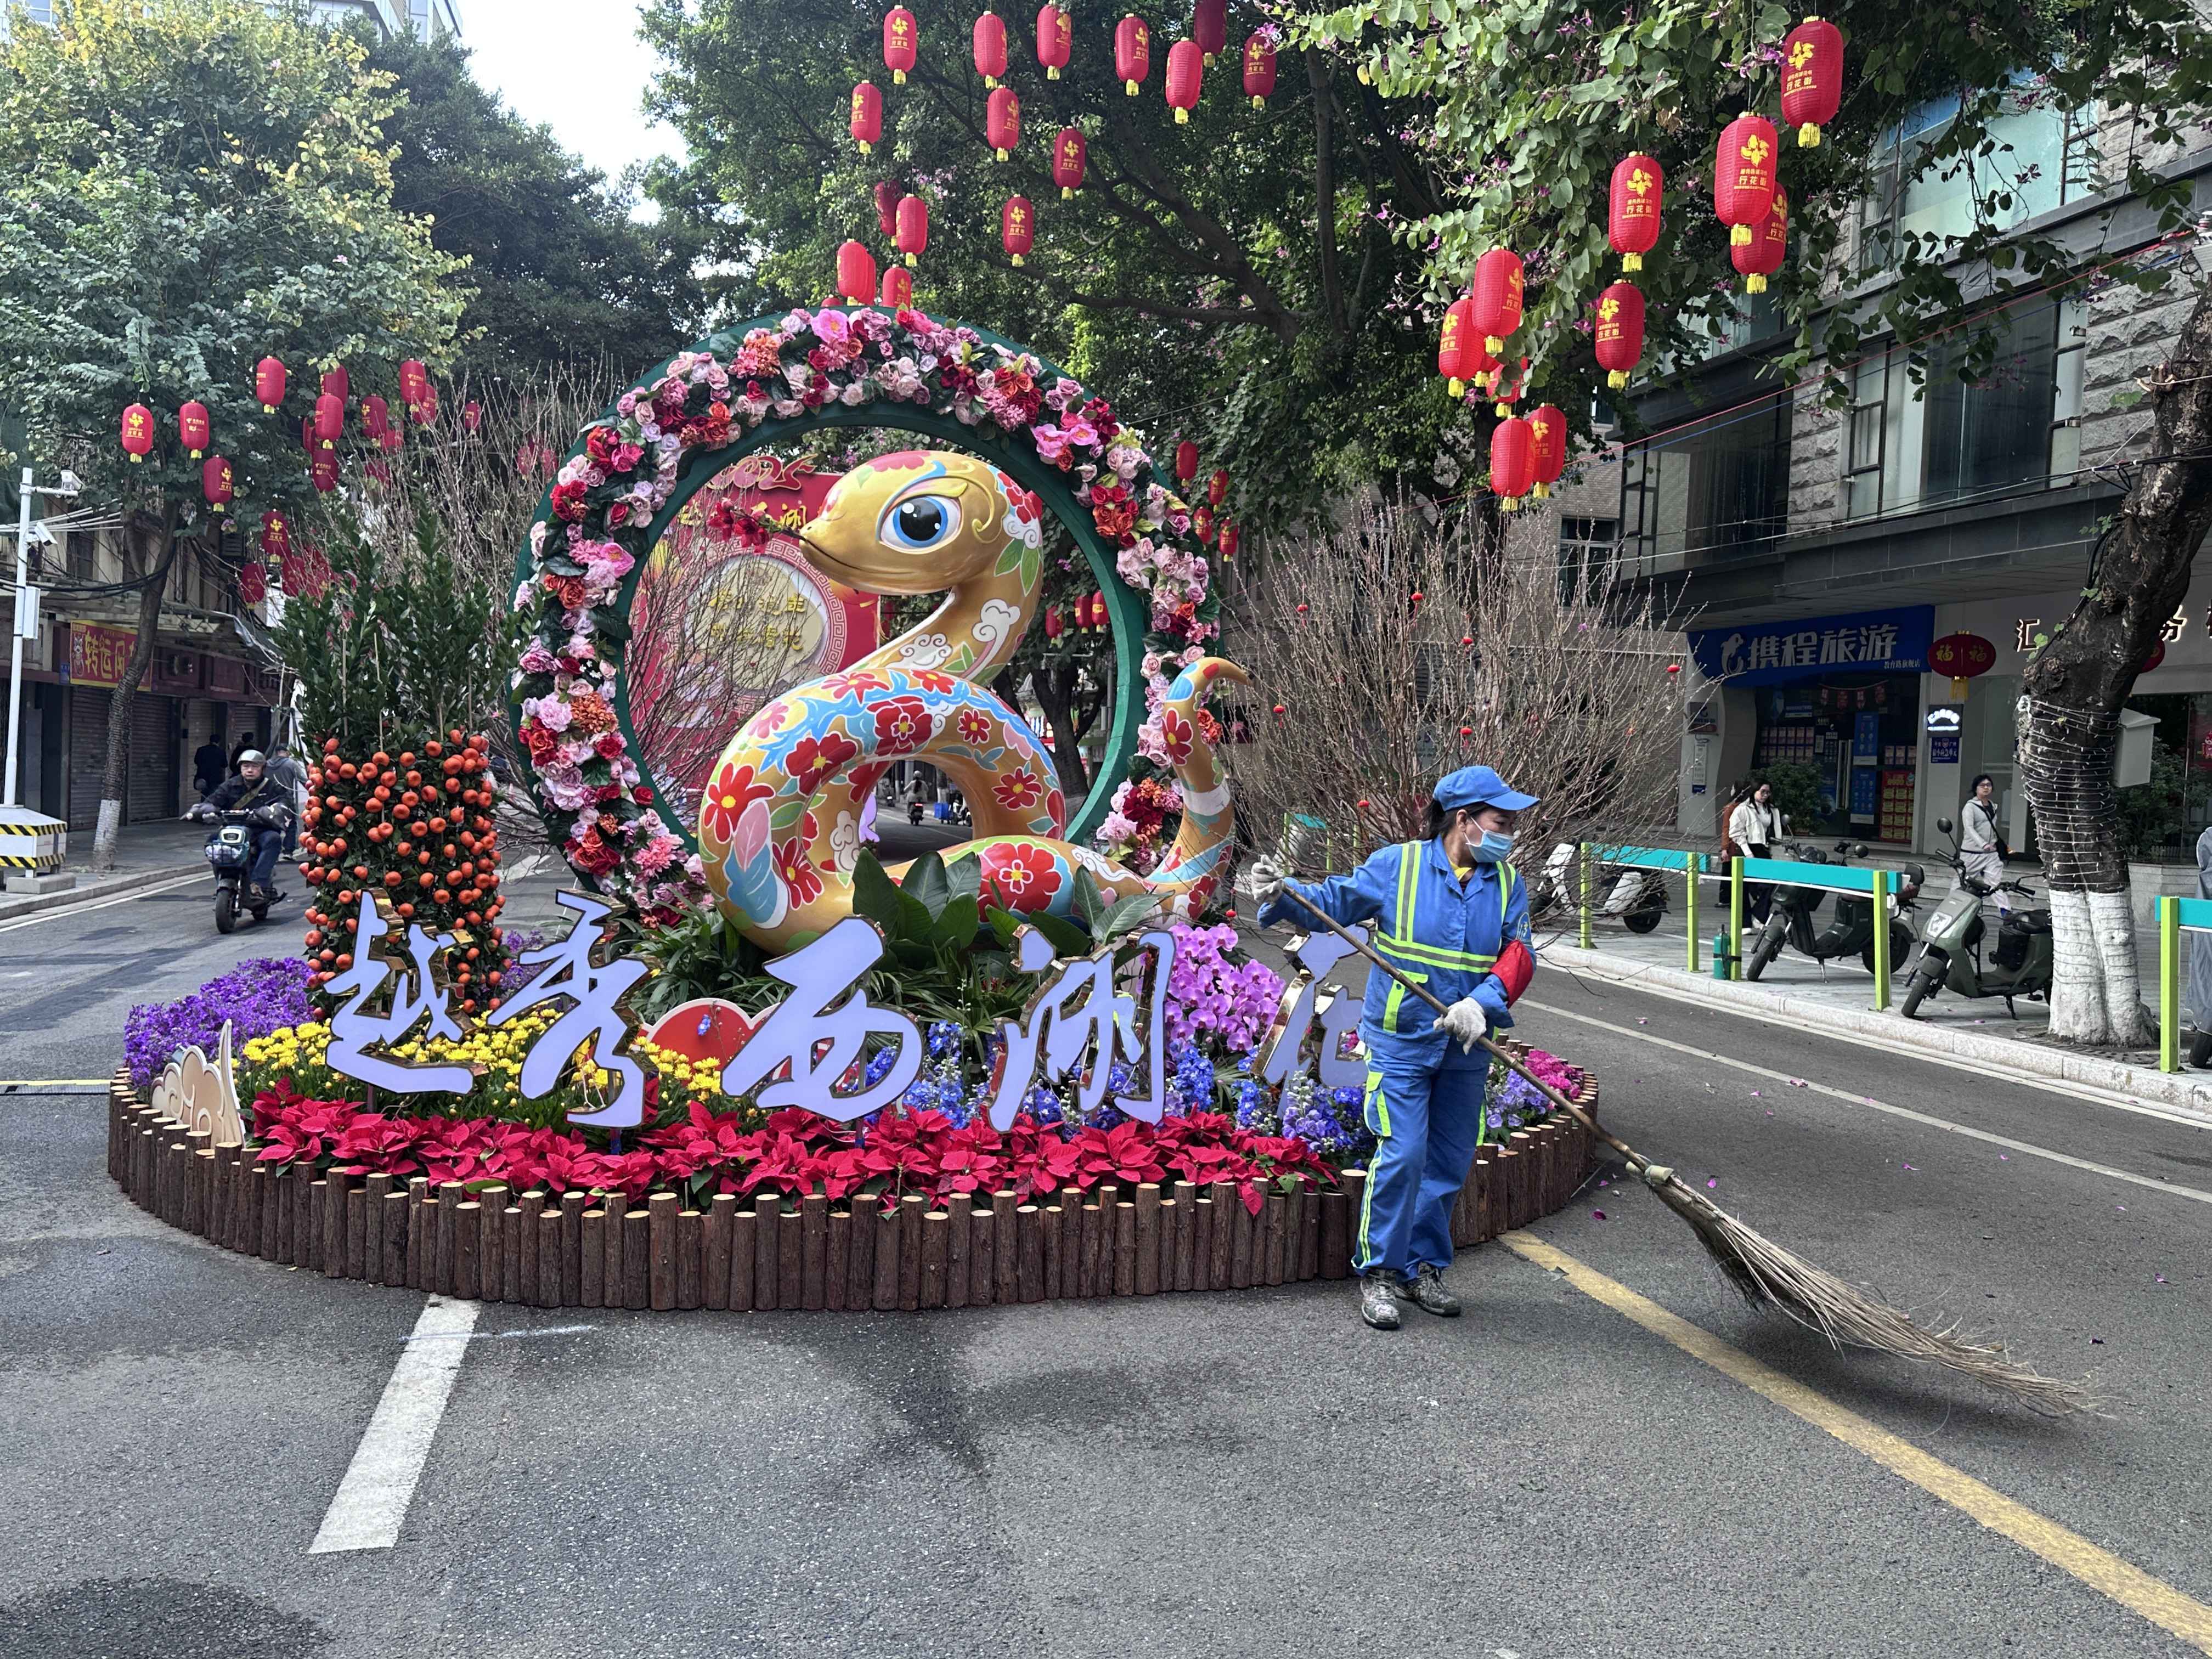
[
  {"x": 1637, "y": 898},
  {"x": 1950, "y": 954},
  {"x": 1849, "y": 931}
]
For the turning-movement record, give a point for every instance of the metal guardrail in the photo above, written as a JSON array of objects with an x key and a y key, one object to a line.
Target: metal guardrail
[
  {"x": 1691, "y": 865},
  {"x": 2176, "y": 916}
]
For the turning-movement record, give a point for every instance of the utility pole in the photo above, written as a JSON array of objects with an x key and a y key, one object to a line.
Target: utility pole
[{"x": 31, "y": 844}]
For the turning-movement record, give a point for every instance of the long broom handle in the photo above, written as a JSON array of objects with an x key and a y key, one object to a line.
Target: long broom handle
[{"x": 1541, "y": 1087}]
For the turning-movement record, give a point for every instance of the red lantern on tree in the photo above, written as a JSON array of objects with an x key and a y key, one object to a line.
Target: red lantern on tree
[
  {"x": 275, "y": 535},
  {"x": 335, "y": 383},
  {"x": 1632, "y": 220},
  {"x": 913, "y": 227},
  {"x": 392, "y": 438},
  {"x": 1069, "y": 150},
  {"x": 1054, "y": 626},
  {"x": 1132, "y": 52},
  {"x": 1055, "y": 37},
  {"x": 428, "y": 413},
  {"x": 1098, "y": 612},
  {"x": 269, "y": 383},
  {"x": 1497, "y": 293},
  {"x": 1230, "y": 535},
  {"x": 900, "y": 35},
  {"x": 1761, "y": 257},
  {"x": 1217, "y": 489},
  {"x": 1619, "y": 331},
  {"x": 1963, "y": 657},
  {"x": 990, "y": 42},
  {"x": 330, "y": 420},
  {"x": 1512, "y": 460},
  {"x": 192, "y": 428},
  {"x": 1185, "y": 71},
  {"x": 472, "y": 415},
  {"x": 1017, "y": 222},
  {"x": 1202, "y": 525},
  {"x": 323, "y": 470},
  {"x": 866, "y": 124},
  {"x": 856, "y": 273},
  {"x": 214, "y": 482},
  {"x": 1185, "y": 461},
  {"x": 887, "y": 201},
  {"x": 1547, "y": 446},
  {"x": 1209, "y": 27},
  {"x": 1459, "y": 348},
  {"x": 375, "y": 417},
  {"x": 1260, "y": 68},
  {"x": 1812, "y": 78},
  {"x": 253, "y": 584},
  {"x": 413, "y": 386},
  {"x": 1743, "y": 175},
  {"x": 1002, "y": 121},
  {"x": 899, "y": 288}
]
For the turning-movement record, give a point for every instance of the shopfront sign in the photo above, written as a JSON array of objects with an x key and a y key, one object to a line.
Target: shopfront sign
[
  {"x": 1767, "y": 653},
  {"x": 98, "y": 656}
]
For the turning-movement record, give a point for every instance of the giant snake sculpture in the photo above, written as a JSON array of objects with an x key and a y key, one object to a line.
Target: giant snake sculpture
[{"x": 778, "y": 822}]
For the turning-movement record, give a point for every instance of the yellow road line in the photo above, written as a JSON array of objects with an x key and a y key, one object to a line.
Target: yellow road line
[{"x": 2071, "y": 1553}]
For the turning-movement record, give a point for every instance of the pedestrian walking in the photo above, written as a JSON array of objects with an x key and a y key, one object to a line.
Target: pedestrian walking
[
  {"x": 208, "y": 766},
  {"x": 1981, "y": 846},
  {"x": 1755, "y": 825},
  {"x": 290, "y": 776},
  {"x": 1452, "y": 912}
]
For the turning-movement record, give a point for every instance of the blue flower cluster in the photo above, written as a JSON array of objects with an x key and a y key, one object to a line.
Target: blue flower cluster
[
  {"x": 1327, "y": 1119},
  {"x": 1190, "y": 1084}
]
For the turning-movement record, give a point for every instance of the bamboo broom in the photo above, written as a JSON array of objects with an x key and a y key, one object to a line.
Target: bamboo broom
[{"x": 1769, "y": 1276}]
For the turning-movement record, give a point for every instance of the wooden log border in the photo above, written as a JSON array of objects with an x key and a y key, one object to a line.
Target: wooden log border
[{"x": 574, "y": 1249}]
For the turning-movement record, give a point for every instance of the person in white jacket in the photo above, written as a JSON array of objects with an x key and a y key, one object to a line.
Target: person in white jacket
[
  {"x": 1980, "y": 845},
  {"x": 1754, "y": 825}
]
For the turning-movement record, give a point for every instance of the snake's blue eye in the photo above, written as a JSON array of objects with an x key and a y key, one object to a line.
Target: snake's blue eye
[{"x": 921, "y": 522}]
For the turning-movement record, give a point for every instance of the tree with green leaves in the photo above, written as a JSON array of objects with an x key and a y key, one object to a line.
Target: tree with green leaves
[
  {"x": 186, "y": 186},
  {"x": 1520, "y": 109}
]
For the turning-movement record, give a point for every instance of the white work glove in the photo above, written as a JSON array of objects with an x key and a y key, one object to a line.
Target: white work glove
[
  {"x": 1467, "y": 1022},
  {"x": 1268, "y": 878}
]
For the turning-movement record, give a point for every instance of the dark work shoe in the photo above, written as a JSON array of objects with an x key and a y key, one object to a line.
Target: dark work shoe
[
  {"x": 1378, "y": 1303},
  {"x": 1428, "y": 1293}
]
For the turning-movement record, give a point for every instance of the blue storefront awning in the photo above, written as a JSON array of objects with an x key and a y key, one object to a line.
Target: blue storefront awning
[{"x": 1767, "y": 654}]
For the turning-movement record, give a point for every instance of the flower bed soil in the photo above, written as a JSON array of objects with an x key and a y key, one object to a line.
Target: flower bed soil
[{"x": 579, "y": 1250}]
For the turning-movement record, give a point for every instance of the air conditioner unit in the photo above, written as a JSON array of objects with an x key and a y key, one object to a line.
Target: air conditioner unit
[{"x": 182, "y": 665}]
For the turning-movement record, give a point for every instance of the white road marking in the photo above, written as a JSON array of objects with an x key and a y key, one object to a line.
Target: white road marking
[
  {"x": 500, "y": 1336},
  {"x": 372, "y": 1501},
  {"x": 61, "y": 911},
  {"x": 2156, "y": 1184}
]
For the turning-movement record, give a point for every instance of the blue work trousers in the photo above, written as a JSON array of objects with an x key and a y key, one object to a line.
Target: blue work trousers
[{"x": 1426, "y": 1120}]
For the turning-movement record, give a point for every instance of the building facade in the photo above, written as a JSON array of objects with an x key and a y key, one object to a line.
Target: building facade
[{"x": 1811, "y": 552}]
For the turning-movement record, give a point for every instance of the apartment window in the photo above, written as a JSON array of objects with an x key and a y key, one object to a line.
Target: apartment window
[
  {"x": 1587, "y": 547},
  {"x": 1710, "y": 488},
  {"x": 2014, "y": 422},
  {"x": 82, "y": 561},
  {"x": 2046, "y": 156}
]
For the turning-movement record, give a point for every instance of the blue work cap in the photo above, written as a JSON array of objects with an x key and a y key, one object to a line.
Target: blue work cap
[{"x": 1479, "y": 785}]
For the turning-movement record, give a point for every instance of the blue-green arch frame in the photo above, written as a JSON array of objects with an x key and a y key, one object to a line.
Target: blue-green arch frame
[{"x": 1011, "y": 451}]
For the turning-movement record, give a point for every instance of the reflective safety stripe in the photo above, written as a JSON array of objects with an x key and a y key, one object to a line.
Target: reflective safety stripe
[
  {"x": 1378, "y": 1104},
  {"x": 1397, "y": 997},
  {"x": 1397, "y": 940},
  {"x": 1434, "y": 955}
]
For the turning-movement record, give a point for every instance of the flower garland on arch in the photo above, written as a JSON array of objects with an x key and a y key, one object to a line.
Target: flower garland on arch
[{"x": 597, "y": 803}]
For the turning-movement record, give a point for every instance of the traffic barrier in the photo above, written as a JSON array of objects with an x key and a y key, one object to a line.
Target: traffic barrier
[
  {"x": 1881, "y": 884},
  {"x": 1691, "y": 865},
  {"x": 2176, "y": 916}
]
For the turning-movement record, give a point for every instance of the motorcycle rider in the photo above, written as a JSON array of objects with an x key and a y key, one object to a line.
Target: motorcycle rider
[{"x": 251, "y": 787}]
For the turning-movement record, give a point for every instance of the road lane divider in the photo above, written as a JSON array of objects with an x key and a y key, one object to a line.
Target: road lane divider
[
  {"x": 63, "y": 913},
  {"x": 2179, "y": 1614},
  {"x": 2156, "y": 1183},
  {"x": 371, "y": 1500}
]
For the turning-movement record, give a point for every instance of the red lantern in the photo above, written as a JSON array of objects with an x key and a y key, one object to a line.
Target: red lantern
[
  {"x": 1260, "y": 68},
  {"x": 1067, "y": 153},
  {"x": 1230, "y": 535},
  {"x": 1132, "y": 52},
  {"x": 1619, "y": 331},
  {"x": 1209, "y": 27},
  {"x": 1016, "y": 223},
  {"x": 912, "y": 226},
  {"x": 1512, "y": 460},
  {"x": 1459, "y": 348},
  {"x": 1055, "y": 36},
  {"x": 253, "y": 584},
  {"x": 1963, "y": 657},
  {"x": 428, "y": 413},
  {"x": 899, "y": 288},
  {"x": 1202, "y": 525},
  {"x": 336, "y": 384},
  {"x": 990, "y": 40},
  {"x": 375, "y": 417},
  {"x": 1186, "y": 460},
  {"x": 866, "y": 124},
  {"x": 1743, "y": 175},
  {"x": 137, "y": 432},
  {"x": 330, "y": 420},
  {"x": 1054, "y": 626},
  {"x": 1497, "y": 294},
  {"x": 1002, "y": 121},
  {"x": 269, "y": 383},
  {"x": 275, "y": 535},
  {"x": 1186, "y": 70},
  {"x": 1760, "y": 259},
  {"x": 471, "y": 415},
  {"x": 1632, "y": 224},
  {"x": 1217, "y": 489},
  {"x": 215, "y": 481},
  {"x": 1547, "y": 446},
  {"x": 192, "y": 428},
  {"x": 323, "y": 470},
  {"x": 887, "y": 201},
  {"x": 413, "y": 386},
  {"x": 1812, "y": 78},
  {"x": 856, "y": 273},
  {"x": 1098, "y": 612},
  {"x": 900, "y": 34},
  {"x": 392, "y": 438}
]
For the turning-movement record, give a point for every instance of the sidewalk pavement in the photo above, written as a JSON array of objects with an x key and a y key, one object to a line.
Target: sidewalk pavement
[{"x": 145, "y": 853}]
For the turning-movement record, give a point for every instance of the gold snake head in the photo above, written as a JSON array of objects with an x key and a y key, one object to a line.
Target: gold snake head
[{"x": 918, "y": 521}]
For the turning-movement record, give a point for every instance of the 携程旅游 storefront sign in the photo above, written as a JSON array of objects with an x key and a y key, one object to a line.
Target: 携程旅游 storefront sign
[{"x": 1764, "y": 653}]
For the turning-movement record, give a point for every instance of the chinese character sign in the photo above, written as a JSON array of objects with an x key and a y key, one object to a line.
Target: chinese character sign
[
  {"x": 362, "y": 1039},
  {"x": 1079, "y": 1014},
  {"x": 1763, "y": 653}
]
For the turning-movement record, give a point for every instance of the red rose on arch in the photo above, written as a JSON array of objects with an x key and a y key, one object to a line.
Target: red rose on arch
[
  {"x": 798, "y": 875},
  {"x": 1017, "y": 788},
  {"x": 810, "y": 761},
  {"x": 975, "y": 727},
  {"x": 1019, "y": 875},
  {"x": 568, "y": 500},
  {"x": 902, "y": 725},
  {"x": 542, "y": 744},
  {"x": 1176, "y": 733}
]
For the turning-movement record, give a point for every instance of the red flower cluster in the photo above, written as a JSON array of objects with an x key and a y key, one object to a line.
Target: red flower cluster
[
  {"x": 1115, "y": 513},
  {"x": 793, "y": 1153}
]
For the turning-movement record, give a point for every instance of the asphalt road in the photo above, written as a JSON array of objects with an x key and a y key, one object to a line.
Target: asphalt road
[{"x": 1238, "y": 1473}]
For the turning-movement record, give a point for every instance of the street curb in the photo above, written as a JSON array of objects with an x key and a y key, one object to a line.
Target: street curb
[
  {"x": 102, "y": 887},
  {"x": 2124, "y": 1085}
]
